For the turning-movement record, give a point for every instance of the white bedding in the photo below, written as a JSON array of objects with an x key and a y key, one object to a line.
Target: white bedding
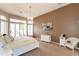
[
  {"x": 20, "y": 46},
  {"x": 21, "y": 42}
]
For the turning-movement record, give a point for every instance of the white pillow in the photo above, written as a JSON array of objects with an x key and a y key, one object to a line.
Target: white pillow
[{"x": 5, "y": 40}]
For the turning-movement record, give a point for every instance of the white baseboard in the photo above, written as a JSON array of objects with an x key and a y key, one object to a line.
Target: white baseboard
[
  {"x": 55, "y": 43},
  {"x": 52, "y": 41}
]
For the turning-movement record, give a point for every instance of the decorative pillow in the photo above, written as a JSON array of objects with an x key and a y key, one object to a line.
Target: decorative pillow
[
  {"x": 3, "y": 41},
  {"x": 7, "y": 39}
]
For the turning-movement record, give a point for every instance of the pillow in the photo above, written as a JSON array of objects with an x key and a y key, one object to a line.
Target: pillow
[
  {"x": 11, "y": 38},
  {"x": 5, "y": 40}
]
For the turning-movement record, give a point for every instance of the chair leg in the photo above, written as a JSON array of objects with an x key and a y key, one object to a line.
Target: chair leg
[{"x": 73, "y": 51}]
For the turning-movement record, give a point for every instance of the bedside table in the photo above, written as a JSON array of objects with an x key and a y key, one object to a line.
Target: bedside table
[{"x": 62, "y": 41}]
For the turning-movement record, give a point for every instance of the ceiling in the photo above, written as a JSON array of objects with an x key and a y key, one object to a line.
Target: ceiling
[{"x": 37, "y": 9}]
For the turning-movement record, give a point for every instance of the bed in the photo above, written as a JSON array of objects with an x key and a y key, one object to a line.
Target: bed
[{"x": 20, "y": 46}]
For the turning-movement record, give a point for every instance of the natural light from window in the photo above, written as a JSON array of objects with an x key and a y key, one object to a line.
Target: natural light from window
[{"x": 19, "y": 27}]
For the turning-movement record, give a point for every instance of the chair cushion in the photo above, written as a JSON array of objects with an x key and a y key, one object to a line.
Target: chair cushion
[
  {"x": 73, "y": 40},
  {"x": 68, "y": 41}
]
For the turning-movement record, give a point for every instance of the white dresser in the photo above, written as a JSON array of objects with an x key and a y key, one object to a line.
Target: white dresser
[{"x": 46, "y": 38}]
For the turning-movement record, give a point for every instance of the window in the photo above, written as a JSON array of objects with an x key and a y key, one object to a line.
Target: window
[
  {"x": 30, "y": 27},
  {"x": 19, "y": 27},
  {"x": 12, "y": 29},
  {"x": 2, "y": 17},
  {"x": 3, "y": 25},
  {"x": 25, "y": 29},
  {"x": 30, "y": 30},
  {"x": 17, "y": 30}
]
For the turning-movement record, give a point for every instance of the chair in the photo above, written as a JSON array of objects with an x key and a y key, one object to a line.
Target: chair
[{"x": 71, "y": 42}]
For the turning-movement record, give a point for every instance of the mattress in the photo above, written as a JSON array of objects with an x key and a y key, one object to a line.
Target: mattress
[{"x": 19, "y": 43}]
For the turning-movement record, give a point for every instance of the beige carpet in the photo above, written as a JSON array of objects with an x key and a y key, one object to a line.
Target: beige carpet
[{"x": 51, "y": 49}]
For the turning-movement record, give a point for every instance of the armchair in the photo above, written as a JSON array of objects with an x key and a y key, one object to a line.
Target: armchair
[{"x": 71, "y": 42}]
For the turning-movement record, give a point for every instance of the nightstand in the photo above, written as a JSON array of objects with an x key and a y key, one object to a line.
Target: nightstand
[{"x": 62, "y": 41}]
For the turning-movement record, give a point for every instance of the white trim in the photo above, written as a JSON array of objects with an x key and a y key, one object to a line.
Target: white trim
[{"x": 56, "y": 42}]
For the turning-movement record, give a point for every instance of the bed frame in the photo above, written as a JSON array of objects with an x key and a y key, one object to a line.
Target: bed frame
[{"x": 24, "y": 49}]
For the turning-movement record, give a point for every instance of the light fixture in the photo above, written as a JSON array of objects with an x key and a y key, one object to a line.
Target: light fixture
[
  {"x": 30, "y": 15},
  {"x": 29, "y": 11}
]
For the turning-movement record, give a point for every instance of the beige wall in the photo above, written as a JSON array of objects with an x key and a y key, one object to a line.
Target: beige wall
[{"x": 65, "y": 20}]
